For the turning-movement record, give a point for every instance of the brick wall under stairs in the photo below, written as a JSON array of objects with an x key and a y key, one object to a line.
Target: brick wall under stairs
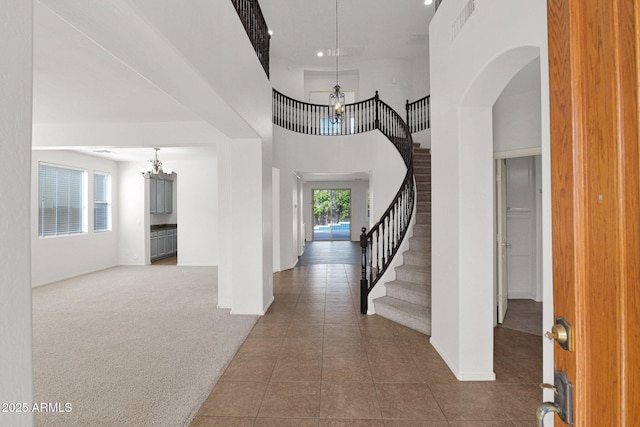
[{"x": 408, "y": 299}]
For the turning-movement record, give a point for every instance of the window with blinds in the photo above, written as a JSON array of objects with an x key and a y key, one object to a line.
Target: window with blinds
[
  {"x": 63, "y": 197},
  {"x": 101, "y": 201}
]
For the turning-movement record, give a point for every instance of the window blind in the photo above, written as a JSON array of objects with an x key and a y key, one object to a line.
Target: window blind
[
  {"x": 62, "y": 201},
  {"x": 101, "y": 202}
]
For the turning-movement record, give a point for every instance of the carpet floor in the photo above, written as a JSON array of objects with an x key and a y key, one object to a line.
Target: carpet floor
[{"x": 131, "y": 346}]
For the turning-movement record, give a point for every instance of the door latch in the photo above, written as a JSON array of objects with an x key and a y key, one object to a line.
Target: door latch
[{"x": 563, "y": 396}]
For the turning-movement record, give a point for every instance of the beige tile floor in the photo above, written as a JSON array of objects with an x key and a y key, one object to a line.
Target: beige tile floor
[{"x": 313, "y": 360}]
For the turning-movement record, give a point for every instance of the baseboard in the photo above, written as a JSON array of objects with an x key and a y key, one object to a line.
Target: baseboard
[
  {"x": 521, "y": 295},
  {"x": 462, "y": 376},
  {"x": 72, "y": 276},
  {"x": 267, "y": 305}
]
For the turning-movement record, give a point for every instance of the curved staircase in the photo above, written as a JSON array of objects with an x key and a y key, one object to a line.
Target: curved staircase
[{"x": 408, "y": 299}]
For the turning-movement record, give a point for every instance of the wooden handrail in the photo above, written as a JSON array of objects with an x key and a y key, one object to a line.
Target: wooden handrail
[{"x": 381, "y": 243}]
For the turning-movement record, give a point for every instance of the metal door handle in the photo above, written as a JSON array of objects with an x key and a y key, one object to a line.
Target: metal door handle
[
  {"x": 506, "y": 244},
  {"x": 544, "y": 408}
]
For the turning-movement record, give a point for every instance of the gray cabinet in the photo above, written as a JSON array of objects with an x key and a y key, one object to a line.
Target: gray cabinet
[
  {"x": 154, "y": 245},
  {"x": 168, "y": 196},
  {"x": 160, "y": 196},
  {"x": 164, "y": 243},
  {"x": 153, "y": 195}
]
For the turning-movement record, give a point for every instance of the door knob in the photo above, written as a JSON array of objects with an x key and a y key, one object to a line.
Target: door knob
[
  {"x": 544, "y": 408},
  {"x": 563, "y": 396}
]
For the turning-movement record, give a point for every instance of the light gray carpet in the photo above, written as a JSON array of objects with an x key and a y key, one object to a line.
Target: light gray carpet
[
  {"x": 524, "y": 315},
  {"x": 131, "y": 346}
]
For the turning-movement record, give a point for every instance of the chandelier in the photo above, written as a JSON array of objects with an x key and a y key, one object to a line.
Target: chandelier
[
  {"x": 154, "y": 168},
  {"x": 336, "y": 98}
]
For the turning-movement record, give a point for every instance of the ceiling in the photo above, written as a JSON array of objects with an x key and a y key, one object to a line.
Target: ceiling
[
  {"x": 77, "y": 81},
  {"x": 372, "y": 29}
]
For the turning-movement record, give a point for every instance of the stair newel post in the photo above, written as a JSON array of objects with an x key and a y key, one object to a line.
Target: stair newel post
[
  {"x": 364, "y": 284},
  {"x": 408, "y": 118}
]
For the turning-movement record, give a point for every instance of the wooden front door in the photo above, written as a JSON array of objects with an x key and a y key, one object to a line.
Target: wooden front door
[{"x": 595, "y": 159}]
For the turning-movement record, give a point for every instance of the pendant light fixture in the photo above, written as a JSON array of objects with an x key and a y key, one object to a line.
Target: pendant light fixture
[
  {"x": 154, "y": 168},
  {"x": 336, "y": 99}
]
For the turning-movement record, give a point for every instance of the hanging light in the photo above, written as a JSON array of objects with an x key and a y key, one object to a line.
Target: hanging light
[
  {"x": 336, "y": 99},
  {"x": 154, "y": 168}
]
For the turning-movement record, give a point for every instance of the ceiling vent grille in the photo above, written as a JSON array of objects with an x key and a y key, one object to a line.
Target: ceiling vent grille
[
  {"x": 462, "y": 18},
  {"x": 344, "y": 51}
]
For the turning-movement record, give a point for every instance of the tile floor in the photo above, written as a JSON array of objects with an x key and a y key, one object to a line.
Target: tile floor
[{"x": 313, "y": 360}]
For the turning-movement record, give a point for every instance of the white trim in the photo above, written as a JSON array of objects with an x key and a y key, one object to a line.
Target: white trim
[{"x": 523, "y": 152}]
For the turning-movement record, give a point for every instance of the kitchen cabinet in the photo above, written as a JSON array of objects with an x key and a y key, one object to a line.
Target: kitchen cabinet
[
  {"x": 168, "y": 196},
  {"x": 154, "y": 245},
  {"x": 153, "y": 192},
  {"x": 164, "y": 242},
  {"x": 160, "y": 196}
]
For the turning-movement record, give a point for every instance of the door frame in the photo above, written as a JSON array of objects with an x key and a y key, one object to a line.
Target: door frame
[{"x": 500, "y": 243}]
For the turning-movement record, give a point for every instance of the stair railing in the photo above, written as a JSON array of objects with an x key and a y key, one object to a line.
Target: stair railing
[
  {"x": 379, "y": 245},
  {"x": 255, "y": 25},
  {"x": 419, "y": 114}
]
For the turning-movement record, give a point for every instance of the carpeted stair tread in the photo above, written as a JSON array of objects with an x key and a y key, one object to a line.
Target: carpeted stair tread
[
  {"x": 409, "y": 292},
  {"x": 422, "y": 230},
  {"x": 413, "y": 316},
  {"x": 417, "y": 257},
  {"x": 414, "y": 273}
]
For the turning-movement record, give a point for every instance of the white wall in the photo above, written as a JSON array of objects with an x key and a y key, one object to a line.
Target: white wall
[
  {"x": 197, "y": 206},
  {"x": 245, "y": 221},
  {"x": 396, "y": 80},
  {"x": 133, "y": 231},
  {"x": 215, "y": 36},
  {"x": 16, "y": 51},
  {"x": 516, "y": 113},
  {"x": 296, "y": 154},
  {"x": 467, "y": 76},
  {"x": 359, "y": 189},
  {"x": 57, "y": 258},
  {"x": 155, "y": 43}
]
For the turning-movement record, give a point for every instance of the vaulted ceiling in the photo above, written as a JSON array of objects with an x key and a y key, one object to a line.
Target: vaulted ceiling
[{"x": 78, "y": 81}]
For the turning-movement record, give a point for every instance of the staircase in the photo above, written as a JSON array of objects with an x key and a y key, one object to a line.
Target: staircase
[{"x": 408, "y": 299}]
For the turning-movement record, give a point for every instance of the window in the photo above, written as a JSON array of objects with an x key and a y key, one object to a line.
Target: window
[
  {"x": 101, "y": 201},
  {"x": 328, "y": 128},
  {"x": 62, "y": 201}
]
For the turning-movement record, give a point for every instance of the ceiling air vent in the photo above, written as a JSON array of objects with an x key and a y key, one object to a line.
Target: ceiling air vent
[
  {"x": 345, "y": 51},
  {"x": 463, "y": 17}
]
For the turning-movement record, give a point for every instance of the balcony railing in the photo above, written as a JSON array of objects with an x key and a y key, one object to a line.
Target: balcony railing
[
  {"x": 419, "y": 114},
  {"x": 381, "y": 243},
  {"x": 256, "y": 27}
]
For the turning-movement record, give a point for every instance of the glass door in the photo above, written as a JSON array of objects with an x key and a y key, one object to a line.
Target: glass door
[{"x": 331, "y": 214}]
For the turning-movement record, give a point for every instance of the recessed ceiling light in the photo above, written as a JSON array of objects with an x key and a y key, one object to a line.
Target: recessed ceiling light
[
  {"x": 427, "y": 2},
  {"x": 320, "y": 53}
]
